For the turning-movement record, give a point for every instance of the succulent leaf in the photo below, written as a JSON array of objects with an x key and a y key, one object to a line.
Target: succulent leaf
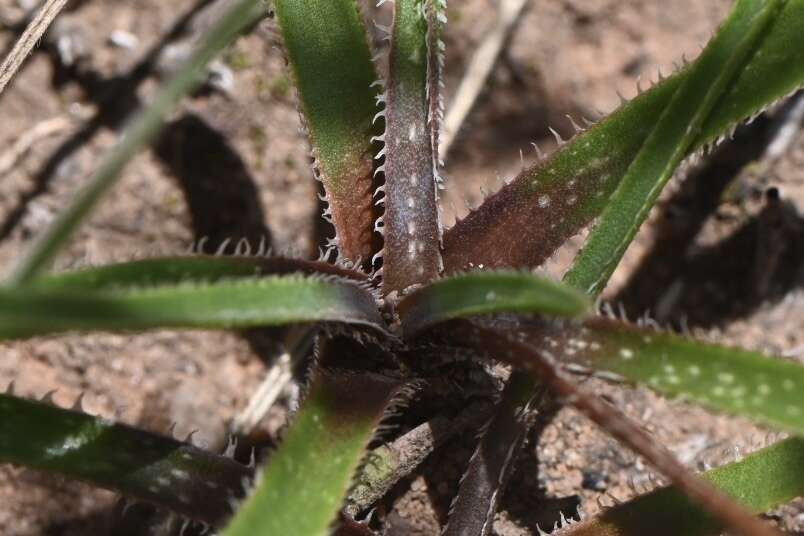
[
  {"x": 676, "y": 129},
  {"x": 735, "y": 381},
  {"x": 174, "y": 270},
  {"x": 247, "y": 302},
  {"x": 544, "y": 368},
  {"x": 411, "y": 227},
  {"x": 329, "y": 56},
  {"x": 306, "y": 480},
  {"x": 144, "y": 466},
  {"x": 761, "y": 481},
  {"x": 524, "y": 223},
  {"x": 483, "y": 293},
  {"x": 145, "y": 127}
]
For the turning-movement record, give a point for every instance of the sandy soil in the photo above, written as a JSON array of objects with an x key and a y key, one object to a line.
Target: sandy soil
[{"x": 234, "y": 164}]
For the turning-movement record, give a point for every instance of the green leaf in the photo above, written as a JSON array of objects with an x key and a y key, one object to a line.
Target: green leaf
[
  {"x": 670, "y": 140},
  {"x": 765, "y": 389},
  {"x": 490, "y": 337},
  {"x": 524, "y": 223},
  {"x": 174, "y": 270},
  {"x": 141, "y": 465},
  {"x": 307, "y": 478},
  {"x": 761, "y": 481},
  {"x": 329, "y": 56},
  {"x": 411, "y": 252},
  {"x": 146, "y": 125},
  {"x": 248, "y": 302},
  {"x": 484, "y": 293}
]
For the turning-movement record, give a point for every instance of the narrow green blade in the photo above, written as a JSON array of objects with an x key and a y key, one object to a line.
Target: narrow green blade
[
  {"x": 145, "y": 126},
  {"x": 329, "y": 56},
  {"x": 496, "y": 342},
  {"x": 765, "y": 389},
  {"x": 248, "y": 302},
  {"x": 483, "y": 293},
  {"x": 761, "y": 481},
  {"x": 524, "y": 223},
  {"x": 144, "y": 466},
  {"x": 174, "y": 270},
  {"x": 306, "y": 480},
  {"x": 670, "y": 140}
]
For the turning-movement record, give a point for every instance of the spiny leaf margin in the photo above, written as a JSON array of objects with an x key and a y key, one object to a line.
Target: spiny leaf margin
[
  {"x": 327, "y": 47},
  {"x": 158, "y": 271},
  {"x": 144, "y": 466},
  {"x": 762, "y": 480},
  {"x": 306, "y": 480},
  {"x": 488, "y": 292},
  {"x": 411, "y": 227},
  {"x": 765, "y": 389},
  {"x": 669, "y": 141},
  {"x": 248, "y": 302},
  {"x": 527, "y": 220}
]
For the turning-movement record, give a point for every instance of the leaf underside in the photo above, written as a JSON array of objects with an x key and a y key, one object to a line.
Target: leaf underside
[
  {"x": 761, "y": 481},
  {"x": 493, "y": 461},
  {"x": 327, "y": 47},
  {"x": 527, "y": 220},
  {"x": 411, "y": 229},
  {"x": 307, "y": 478},
  {"x": 226, "y": 304},
  {"x": 143, "y": 466}
]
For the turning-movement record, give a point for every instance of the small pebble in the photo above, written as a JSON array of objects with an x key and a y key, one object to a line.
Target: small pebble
[
  {"x": 124, "y": 40},
  {"x": 595, "y": 481}
]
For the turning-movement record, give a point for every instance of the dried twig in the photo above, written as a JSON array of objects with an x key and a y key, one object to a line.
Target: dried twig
[
  {"x": 40, "y": 131},
  {"x": 388, "y": 464},
  {"x": 478, "y": 71},
  {"x": 296, "y": 343},
  {"x": 32, "y": 34}
]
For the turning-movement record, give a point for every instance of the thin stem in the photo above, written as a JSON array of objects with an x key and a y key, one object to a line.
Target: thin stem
[
  {"x": 28, "y": 40},
  {"x": 146, "y": 125}
]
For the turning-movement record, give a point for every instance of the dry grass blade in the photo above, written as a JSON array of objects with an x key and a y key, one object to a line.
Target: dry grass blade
[
  {"x": 27, "y": 41},
  {"x": 617, "y": 425},
  {"x": 477, "y": 73}
]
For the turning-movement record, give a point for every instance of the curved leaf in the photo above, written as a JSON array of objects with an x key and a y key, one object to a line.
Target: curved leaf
[
  {"x": 672, "y": 136},
  {"x": 145, "y": 126},
  {"x": 411, "y": 252},
  {"x": 765, "y": 389},
  {"x": 306, "y": 480},
  {"x": 761, "y": 481},
  {"x": 329, "y": 56},
  {"x": 141, "y": 465},
  {"x": 524, "y": 223},
  {"x": 509, "y": 347},
  {"x": 274, "y": 300},
  {"x": 174, "y": 270},
  {"x": 483, "y": 293}
]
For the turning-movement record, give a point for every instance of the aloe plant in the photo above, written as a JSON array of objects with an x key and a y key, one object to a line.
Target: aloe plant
[{"x": 402, "y": 290}]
